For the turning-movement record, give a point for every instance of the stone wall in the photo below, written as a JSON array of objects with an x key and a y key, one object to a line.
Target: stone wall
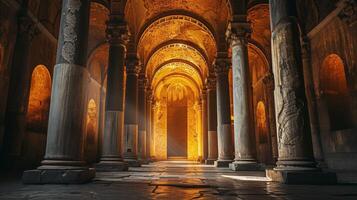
[{"x": 335, "y": 38}]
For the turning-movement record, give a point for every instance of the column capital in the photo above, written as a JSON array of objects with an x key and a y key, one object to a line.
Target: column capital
[
  {"x": 133, "y": 66},
  {"x": 349, "y": 12},
  {"x": 117, "y": 31},
  {"x": 204, "y": 94},
  {"x": 221, "y": 65},
  {"x": 211, "y": 83},
  {"x": 239, "y": 32},
  {"x": 26, "y": 26},
  {"x": 142, "y": 82},
  {"x": 149, "y": 95}
]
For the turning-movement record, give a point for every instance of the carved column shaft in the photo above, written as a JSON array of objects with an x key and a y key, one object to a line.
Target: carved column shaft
[
  {"x": 212, "y": 121},
  {"x": 111, "y": 159},
  {"x": 64, "y": 149},
  {"x": 292, "y": 118},
  {"x": 131, "y": 111},
  {"x": 224, "y": 136},
  {"x": 142, "y": 153},
  {"x": 242, "y": 98},
  {"x": 19, "y": 86}
]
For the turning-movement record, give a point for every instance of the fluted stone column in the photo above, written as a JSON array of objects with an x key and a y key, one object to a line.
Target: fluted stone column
[
  {"x": 296, "y": 160},
  {"x": 19, "y": 86},
  {"x": 63, "y": 162},
  {"x": 131, "y": 112},
  {"x": 212, "y": 121},
  {"x": 312, "y": 105},
  {"x": 111, "y": 158},
  {"x": 142, "y": 153},
  {"x": 245, "y": 158},
  {"x": 204, "y": 126},
  {"x": 224, "y": 136},
  {"x": 148, "y": 123}
]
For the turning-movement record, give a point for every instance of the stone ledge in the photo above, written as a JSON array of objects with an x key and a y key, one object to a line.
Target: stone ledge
[
  {"x": 302, "y": 177},
  {"x": 246, "y": 166},
  {"x": 111, "y": 166},
  {"x": 58, "y": 176}
]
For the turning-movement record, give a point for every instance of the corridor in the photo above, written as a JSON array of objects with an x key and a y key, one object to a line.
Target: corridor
[{"x": 176, "y": 180}]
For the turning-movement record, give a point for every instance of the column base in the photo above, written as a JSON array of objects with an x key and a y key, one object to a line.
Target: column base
[
  {"x": 246, "y": 166},
  {"x": 222, "y": 163},
  {"x": 111, "y": 166},
  {"x": 302, "y": 177},
  {"x": 133, "y": 162},
  {"x": 58, "y": 175},
  {"x": 209, "y": 161}
]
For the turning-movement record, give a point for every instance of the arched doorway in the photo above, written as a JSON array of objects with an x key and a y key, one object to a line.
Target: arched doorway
[
  {"x": 177, "y": 121},
  {"x": 333, "y": 86}
]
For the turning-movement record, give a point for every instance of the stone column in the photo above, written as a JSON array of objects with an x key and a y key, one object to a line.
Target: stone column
[
  {"x": 212, "y": 121},
  {"x": 63, "y": 162},
  {"x": 268, "y": 81},
  {"x": 245, "y": 158},
  {"x": 142, "y": 153},
  {"x": 296, "y": 160},
  {"x": 19, "y": 86},
  {"x": 111, "y": 158},
  {"x": 224, "y": 137},
  {"x": 148, "y": 123},
  {"x": 312, "y": 105},
  {"x": 204, "y": 126},
  {"x": 131, "y": 112}
]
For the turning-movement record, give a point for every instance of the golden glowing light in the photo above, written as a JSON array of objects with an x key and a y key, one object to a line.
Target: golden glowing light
[
  {"x": 91, "y": 136},
  {"x": 39, "y": 99}
]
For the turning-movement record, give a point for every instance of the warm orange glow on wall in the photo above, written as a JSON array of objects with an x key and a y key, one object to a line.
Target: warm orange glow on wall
[
  {"x": 261, "y": 121},
  {"x": 39, "y": 99},
  {"x": 175, "y": 87},
  {"x": 91, "y": 133},
  {"x": 332, "y": 75}
]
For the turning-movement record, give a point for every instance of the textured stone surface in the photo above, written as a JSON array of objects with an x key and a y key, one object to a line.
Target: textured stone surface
[{"x": 175, "y": 180}]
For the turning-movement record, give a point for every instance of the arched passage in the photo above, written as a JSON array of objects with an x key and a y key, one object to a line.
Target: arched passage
[
  {"x": 334, "y": 88},
  {"x": 39, "y": 99}
]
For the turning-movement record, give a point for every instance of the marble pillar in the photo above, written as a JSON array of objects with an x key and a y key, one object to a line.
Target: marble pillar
[
  {"x": 204, "y": 126},
  {"x": 212, "y": 144},
  {"x": 296, "y": 162},
  {"x": 312, "y": 104},
  {"x": 63, "y": 162},
  {"x": 111, "y": 158},
  {"x": 131, "y": 112},
  {"x": 245, "y": 158},
  {"x": 142, "y": 135},
  {"x": 224, "y": 135},
  {"x": 19, "y": 87}
]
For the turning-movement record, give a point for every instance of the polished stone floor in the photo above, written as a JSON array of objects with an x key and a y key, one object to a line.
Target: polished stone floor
[{"x": 175, "y": 180}]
